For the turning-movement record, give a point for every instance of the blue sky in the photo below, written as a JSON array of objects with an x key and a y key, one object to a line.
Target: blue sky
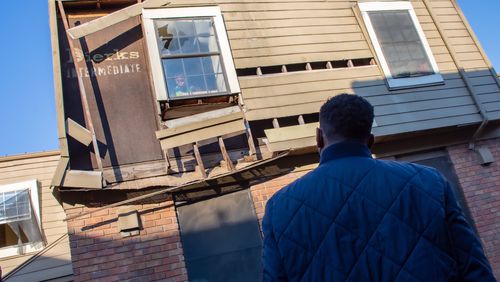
[{"x": 27, "y": 107}]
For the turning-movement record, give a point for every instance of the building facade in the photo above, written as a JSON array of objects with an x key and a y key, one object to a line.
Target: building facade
[
  {"x": 178, "y": 120},
  {"x": 34, "y": 237}
]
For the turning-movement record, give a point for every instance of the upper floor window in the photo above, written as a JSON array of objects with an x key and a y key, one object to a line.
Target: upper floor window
[
  {"x": 19, "y": 219},
  {"x": 400, "y": 44},
  {"x": 189, "y": 53}
]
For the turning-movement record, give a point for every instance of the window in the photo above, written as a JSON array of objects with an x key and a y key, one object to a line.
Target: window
[
  {"x": 19, "y": 219},
  {"x": 189, "y": 53},
  {"x": 400, "y": 44}
]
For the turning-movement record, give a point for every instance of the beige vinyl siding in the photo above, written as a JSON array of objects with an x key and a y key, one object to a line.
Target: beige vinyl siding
[
  {"x": 55, "y": 261},
  {"x": 266, "y": 33},
  {"x": 281, "y": 95},
  {"x": 469, "y": 55},
  {"x": 298, "y": 93}
]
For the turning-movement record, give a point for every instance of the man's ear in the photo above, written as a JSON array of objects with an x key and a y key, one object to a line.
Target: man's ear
[
  {"x": 371, "y": 141},
  {"x": 320, "y": 142}
]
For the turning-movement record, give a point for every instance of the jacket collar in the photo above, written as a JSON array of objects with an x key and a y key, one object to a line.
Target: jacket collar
[{"x": 344, "y": 149}]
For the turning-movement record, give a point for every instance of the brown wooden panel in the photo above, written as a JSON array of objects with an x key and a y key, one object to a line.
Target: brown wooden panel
[
  {"x": 119, "y": 93},
  {"x": 204, "y": 133},
  {"x": 169, "y": 132}
]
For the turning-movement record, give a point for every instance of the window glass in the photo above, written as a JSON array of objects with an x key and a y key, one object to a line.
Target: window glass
[
  {"x": 14, "y": 206},
  {"x": 400, "y": 43},
  {"x": 19, "y": 212},
  {"x": 190, "y": 57}
]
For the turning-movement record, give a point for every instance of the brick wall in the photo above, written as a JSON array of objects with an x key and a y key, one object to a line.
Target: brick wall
[
  {"x": 99, "y": 252},
  {"x": 481, "y": 187}
]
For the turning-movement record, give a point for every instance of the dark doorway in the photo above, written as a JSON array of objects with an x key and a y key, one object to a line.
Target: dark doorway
[{"x": 221, "y": 239}]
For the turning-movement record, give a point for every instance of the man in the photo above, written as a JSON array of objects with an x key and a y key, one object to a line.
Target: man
[{"x": 355, "y": 218}]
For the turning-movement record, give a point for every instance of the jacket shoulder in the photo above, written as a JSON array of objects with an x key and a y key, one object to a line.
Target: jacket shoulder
[{"x": 425, "y": 179}]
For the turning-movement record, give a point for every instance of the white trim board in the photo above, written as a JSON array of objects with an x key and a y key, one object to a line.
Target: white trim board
[
  {"x": 399, "y": 83},
  {"x": 149, "y": 15}
]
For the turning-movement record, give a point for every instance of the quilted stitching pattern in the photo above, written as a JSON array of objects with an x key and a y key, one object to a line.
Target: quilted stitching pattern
[{"x": 353, "y": 217}]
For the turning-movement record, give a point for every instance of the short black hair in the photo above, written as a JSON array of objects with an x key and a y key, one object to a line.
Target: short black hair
[{"x": 346, "y": 116}]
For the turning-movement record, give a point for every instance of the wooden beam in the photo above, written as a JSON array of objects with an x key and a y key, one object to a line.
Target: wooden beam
[
  {"x": 202, "y": 134},
  {"x": 225, "y": 155},
  {"x": 56, "y": 71},
  {"x": 198, "y": 125},
  {"x": 202, "y": 116},
  {"x": 83, "y": 179},
  {"x": 291, "y": 137},
  {"x": 58, "y": 177},
  {"x": 80, "y": 133},
  {"x": 251, "y": 144},
  {"x": 259, "y": 71},
  {"x": 199, "y": 160},
  {"x": 113, "y": 18},
  {"x": 276, "y": 123},
  {"x": 81, "y": 86},
  {"x": 301, "y": 120}
]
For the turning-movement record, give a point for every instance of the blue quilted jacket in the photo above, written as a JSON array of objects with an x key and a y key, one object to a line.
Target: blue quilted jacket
[{"x": 355, "y": 218}]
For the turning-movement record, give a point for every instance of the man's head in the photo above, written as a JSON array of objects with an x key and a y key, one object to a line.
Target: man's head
[{"x": 345, "y": 117}]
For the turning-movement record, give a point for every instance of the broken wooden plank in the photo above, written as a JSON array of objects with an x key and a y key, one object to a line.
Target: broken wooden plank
[
  {"x": 113, "y": 18},
  {"x": 62, "y": 166},
  {"x": 202, "y": 134},
  {"x": 80, "y": 133},
  {"x": 199, "y": 160},
  {"x": 291, "y": 137},
  {"x": 225, "y": 155},
  {"x": 251, "y": 144},
  {"x": 259, "y": 169},
  {"x": 202, "y": 116},
  {"x": 83, "y": 179},
  {"x": 169, "y": 132}
]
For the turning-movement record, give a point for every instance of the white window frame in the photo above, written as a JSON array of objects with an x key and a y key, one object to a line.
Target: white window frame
[
  {"x": 32, "y": 185},
  {"x": 149, "y": 15},
  {"x": 399, "y": 83}
]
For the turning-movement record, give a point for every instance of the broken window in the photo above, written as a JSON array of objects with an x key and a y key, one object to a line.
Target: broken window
[
  {"x": 19, "y": 219},
  {"x": 189, "y": 53},
  {"x": 400, "y": 44}
]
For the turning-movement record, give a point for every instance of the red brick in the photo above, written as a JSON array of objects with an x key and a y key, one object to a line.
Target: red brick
[
  {"x": 481, "y": 189},
  {"x": 100, "y": 253}
]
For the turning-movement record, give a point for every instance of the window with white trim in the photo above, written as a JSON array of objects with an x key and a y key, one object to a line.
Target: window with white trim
[
  {"x": 189, "y": 53},
  {"x": 19, "y": 219},
  {"x": 400, "y": 44}
]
